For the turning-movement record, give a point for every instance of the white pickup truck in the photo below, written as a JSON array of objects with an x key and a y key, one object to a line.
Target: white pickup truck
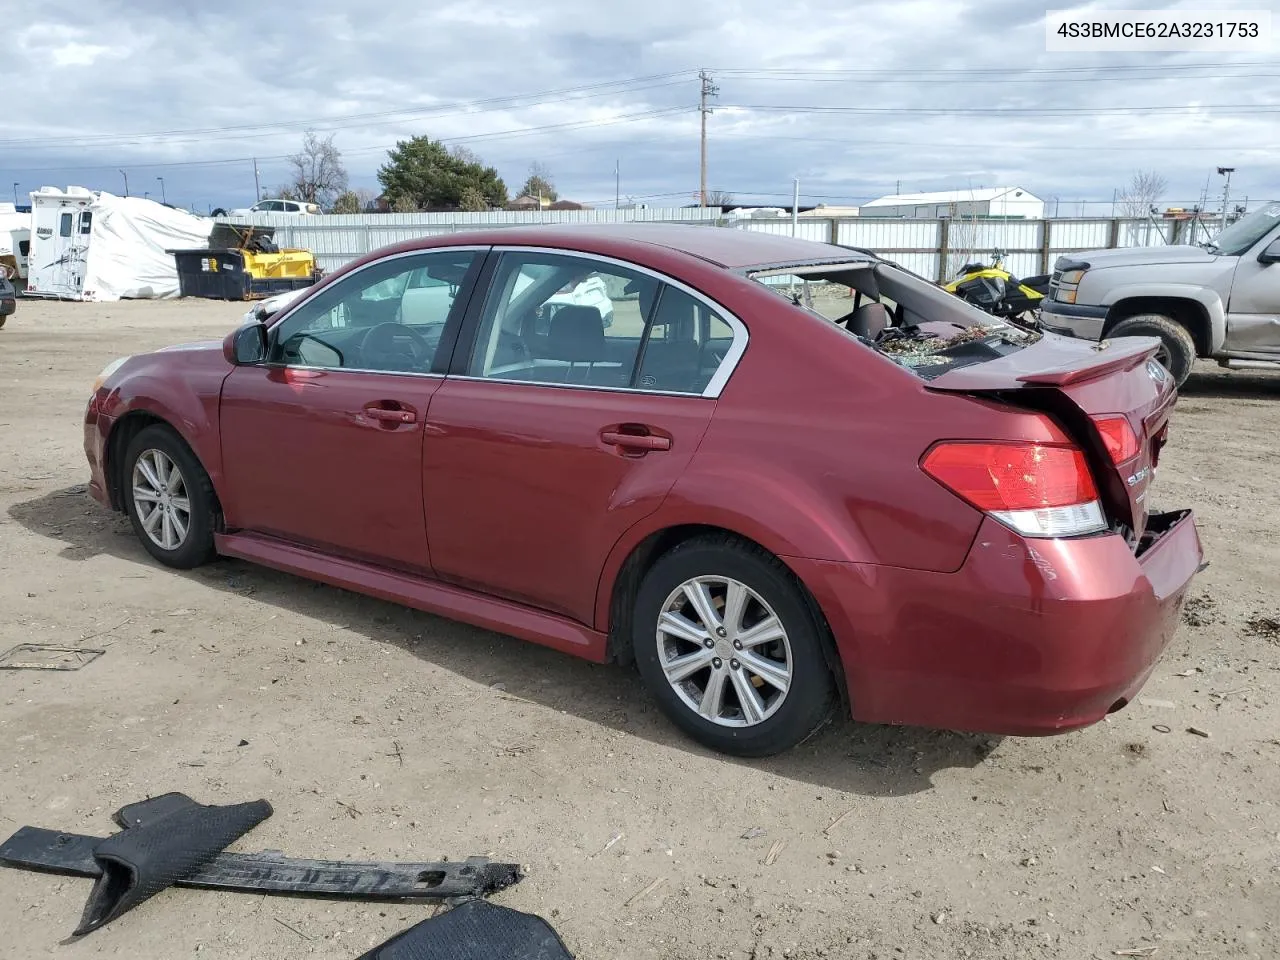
[{"x": 1219, "y": 300}]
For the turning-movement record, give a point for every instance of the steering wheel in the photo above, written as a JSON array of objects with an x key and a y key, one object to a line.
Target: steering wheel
[{"x": 395, "y": 346}]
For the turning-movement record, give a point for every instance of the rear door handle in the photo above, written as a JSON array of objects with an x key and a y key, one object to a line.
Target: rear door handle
[
  {"x": 387, "y": 414},
  {"x": 635, "y": 441}
]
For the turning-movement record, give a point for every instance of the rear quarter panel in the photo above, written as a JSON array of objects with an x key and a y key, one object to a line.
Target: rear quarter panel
[{"x": 814, "y": 447}]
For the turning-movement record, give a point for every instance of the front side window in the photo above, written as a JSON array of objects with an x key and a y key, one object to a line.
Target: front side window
[
  {"x": 388, "y": 317},
  {"x": 562, "y": 319}
]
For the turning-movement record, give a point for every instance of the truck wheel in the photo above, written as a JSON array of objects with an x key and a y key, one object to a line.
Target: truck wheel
[{"x": 1177, "y": 349}]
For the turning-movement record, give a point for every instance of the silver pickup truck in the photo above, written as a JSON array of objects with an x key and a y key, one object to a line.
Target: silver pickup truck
[{"x": 1220, "y": 300}]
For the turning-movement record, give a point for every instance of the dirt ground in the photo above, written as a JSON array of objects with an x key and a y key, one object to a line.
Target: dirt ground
[{"x": 378, "y": 732}]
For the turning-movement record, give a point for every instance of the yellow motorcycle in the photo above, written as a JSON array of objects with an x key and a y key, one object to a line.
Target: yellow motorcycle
[{"x": 997, "y": 291}]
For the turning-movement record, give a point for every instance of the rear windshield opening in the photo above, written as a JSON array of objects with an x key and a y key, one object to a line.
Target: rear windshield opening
[{"x": 901, "y": 316}]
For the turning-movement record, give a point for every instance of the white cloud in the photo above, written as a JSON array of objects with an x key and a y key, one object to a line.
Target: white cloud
[{"x": 172, "y": 81}]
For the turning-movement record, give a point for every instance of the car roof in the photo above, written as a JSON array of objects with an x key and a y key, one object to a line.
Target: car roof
[{"x": 728, "y": 247}]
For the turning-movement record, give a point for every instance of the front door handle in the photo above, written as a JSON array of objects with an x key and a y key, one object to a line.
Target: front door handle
[
  {"x": 390, "y": 414},
  {"x": 635, "y": 441}
]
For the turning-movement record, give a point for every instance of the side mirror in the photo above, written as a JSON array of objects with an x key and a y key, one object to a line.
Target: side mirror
[
  {"x": 246, "y": 345},
  {"x": 1271, "y": 253}
]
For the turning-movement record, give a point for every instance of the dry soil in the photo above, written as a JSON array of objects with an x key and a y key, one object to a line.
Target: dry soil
[{"x": 378, "y": 732}]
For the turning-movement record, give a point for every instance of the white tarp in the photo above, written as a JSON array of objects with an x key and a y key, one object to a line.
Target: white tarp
[{"x": 128, "y": 254}]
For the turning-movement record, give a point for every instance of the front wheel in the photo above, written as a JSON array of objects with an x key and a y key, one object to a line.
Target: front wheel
[
  {"x": 169, "y": 498},
  {"x": 1177, "y": 350},
  {"x": 726, "y": 642}
]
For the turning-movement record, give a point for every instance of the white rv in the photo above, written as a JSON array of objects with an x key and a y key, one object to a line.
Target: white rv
[
  {"x": 15, "y": 239},
  {"x": 61, "y": 224},
  {"x": 89, "y": 245}
]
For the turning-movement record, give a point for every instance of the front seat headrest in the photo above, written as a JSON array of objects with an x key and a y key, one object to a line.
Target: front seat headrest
[{"x": 577, "y": 335}]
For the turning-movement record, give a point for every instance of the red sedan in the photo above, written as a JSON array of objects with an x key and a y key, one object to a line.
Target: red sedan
[{"x": 776, "y": 475}]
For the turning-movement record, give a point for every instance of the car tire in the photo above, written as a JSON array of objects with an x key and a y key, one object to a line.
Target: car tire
[
  {"x": 764, "y": 588},
  {"x": 1178, "y": 349},
  {"x": 174, "y": 519}
]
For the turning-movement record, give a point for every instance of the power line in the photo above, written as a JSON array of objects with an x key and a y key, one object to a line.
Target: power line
[
  {"x": 1238, "y": 109},
  {"x": 245, "y": 131},
  {"x": 469, "y": 138},
  {"x": 976, "y": 71}
]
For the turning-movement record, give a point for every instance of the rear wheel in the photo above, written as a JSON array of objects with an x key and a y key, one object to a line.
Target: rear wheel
[
  {"x": 169, "y": 498},
  {"x": 729, "y": 647},
  {"x": 1177, "y": 349}
]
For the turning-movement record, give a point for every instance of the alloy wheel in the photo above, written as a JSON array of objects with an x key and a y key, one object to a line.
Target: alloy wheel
[
  {"x": 160, "y": 499},
  {"x": 724, "y": 651}
]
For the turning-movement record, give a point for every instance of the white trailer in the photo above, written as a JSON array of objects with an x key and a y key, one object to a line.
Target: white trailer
[{"x": 61, "y": 224}]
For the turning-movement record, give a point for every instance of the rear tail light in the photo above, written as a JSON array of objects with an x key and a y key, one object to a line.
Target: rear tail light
[
  {"x": 1118, "y": 437},
  {"x": 1039, "y": 490}
]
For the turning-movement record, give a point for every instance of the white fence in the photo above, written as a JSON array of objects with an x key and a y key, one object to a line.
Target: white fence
[
  {"x": 938, "y": 248},
  {"x": 932, "y": 248},
  {"x": 338, "y": 239}
]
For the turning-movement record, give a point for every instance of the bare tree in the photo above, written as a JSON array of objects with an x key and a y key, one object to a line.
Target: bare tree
[
  {"x": 1143, "y": 191},
  {"x": 318, "y": 174},
  {"x": 720, "y": 198},
  {"x": 366, "y": 197},
  {"x": 404, "y": 204}
]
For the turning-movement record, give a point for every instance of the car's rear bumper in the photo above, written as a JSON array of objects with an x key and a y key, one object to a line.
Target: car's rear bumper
[
  {"x": 1029, "y": 637},
  {"x": 1082, "y": 322}
]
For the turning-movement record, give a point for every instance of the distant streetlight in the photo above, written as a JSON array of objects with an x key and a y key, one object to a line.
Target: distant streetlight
[
  {"x": 146, "y": 195},
  {"x": 15, "y": 193},
  {"x": 126, "y": 182},
  {"x": 162, "y": 196}
]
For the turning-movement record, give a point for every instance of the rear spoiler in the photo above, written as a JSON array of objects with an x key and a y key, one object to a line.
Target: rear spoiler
[{"x": 1059, "y": 362}]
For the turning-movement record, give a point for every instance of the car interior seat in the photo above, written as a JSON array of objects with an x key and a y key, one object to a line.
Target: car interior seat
[{"x": 577, "y": 335}]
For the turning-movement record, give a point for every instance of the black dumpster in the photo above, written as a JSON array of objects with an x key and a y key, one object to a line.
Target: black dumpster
[{"x": 221, "y": 274}]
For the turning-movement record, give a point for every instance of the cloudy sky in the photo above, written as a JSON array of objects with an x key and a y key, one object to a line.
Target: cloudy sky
[{"x": 854, "y": 98}]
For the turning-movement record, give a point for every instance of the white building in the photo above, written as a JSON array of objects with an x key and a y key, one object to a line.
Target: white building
[{"x": 995, "y": 203}]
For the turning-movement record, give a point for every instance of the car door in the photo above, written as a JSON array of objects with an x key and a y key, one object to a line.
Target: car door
[
  {"x": 1253, "y": 312},
  {"x": 322, "y": 443},
  {"x": 554, "y": 434}
]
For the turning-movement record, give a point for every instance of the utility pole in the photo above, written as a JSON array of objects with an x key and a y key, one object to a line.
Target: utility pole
[
  {"x": 257, "y": 189},
  {"x": 707, "y": 89},
  {"x": 126, "y": 182},
  {"x": 795, "y": 206},
  {"x": 1226, "y": 193},
  {"x": 617, "y": 183}
]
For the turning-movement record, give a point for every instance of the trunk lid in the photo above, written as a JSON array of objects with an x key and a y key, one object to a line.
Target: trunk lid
[{"x": 1079, "y": 384}]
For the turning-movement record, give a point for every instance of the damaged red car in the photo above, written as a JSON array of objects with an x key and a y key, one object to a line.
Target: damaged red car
[{"x": 781, "y": 478}]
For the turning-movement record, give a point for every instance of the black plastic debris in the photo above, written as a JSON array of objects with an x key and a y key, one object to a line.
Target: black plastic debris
[
  {"x": 475, "y": 930},
  {"x": 73, "y": 854},
  {"x": 165, "y": 839}
]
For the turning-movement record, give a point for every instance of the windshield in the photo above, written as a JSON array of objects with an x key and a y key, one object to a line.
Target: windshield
[
  {"x": 1245, "y": 232},
  {"x": 903, "y": 317}
]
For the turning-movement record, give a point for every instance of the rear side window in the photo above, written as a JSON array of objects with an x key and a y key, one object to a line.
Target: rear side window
[
  {"x": 686, "y": 344},
  {"x": 559, "y": 319}
]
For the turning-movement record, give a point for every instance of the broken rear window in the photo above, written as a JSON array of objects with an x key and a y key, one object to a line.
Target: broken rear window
[{"x": 901, "y": 316}]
